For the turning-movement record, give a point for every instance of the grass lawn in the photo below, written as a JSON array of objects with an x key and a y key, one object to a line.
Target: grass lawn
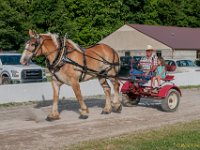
[
  {"x": 182, "y": 136},
  {"x": 190, "y": 86}
]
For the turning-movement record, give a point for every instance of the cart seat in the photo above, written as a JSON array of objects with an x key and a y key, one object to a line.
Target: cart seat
[{"x": 168, "y": 78}]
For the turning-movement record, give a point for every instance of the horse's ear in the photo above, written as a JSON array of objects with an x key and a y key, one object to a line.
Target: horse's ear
[
  {"x": 33, "y": 33},
  {"x": 30, "y": 32}
]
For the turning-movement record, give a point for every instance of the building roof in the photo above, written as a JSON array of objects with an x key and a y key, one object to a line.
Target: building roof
[
  {"x": 174, "y": 37},
  {"x": 128, "y": 38}
]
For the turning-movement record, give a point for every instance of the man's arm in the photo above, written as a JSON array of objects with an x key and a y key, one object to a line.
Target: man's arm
[
  {"x": 146, "y": 73},
  {"x": 154, "y": 63},
  {"x": 153, "y": 68}
]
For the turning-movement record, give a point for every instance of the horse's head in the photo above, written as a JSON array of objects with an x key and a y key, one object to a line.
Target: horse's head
[{"x": 33, "y": 47}]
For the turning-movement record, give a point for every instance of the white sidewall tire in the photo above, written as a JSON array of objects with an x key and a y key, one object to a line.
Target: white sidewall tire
[{"x": 171, "y": 102}]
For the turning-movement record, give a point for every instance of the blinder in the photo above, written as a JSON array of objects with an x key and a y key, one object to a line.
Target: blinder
[{"x": 36, "y": 45}]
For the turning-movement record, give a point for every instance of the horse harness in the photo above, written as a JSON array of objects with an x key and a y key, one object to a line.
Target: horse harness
[{"x": 62, "y": 59}]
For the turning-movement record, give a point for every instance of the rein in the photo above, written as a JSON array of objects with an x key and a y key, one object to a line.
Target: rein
[{"x": 35, "y": 50}]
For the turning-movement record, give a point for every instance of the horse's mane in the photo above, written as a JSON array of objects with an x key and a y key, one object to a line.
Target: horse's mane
[
  {"x": 55, "y": 37},
  {"x": 76, "y": 46}
]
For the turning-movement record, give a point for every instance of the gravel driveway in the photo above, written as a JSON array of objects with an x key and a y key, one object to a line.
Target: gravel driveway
[{"x": 25, "y": 128}]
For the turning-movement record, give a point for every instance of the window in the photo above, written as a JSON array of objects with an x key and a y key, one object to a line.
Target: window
[
  {"x": 159, "y": 53},
  {"x": 185, "y": 63},
  {"x": 11, "y": 59},
  {"x": 127, "y": 53},
  {"x": 170, "y": 62},
  {"x": 170, "y": 65},
  {"x": 198, "y": 53}
]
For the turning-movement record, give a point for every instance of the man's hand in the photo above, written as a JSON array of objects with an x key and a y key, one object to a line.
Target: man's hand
[
  {"x": 146, "y": 73},
  {"x": 139, "y": 66},
  {"x": 153, "y": 68}
]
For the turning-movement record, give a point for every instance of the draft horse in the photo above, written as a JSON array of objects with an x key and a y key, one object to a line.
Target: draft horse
[{"x": 69, "y": 64}]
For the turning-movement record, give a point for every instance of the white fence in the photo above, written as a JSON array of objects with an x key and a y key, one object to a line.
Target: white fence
[
  {"x": 187, "y": 78},
  {"x": 43, "y": 91}
]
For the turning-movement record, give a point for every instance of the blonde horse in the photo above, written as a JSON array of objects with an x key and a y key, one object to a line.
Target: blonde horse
[{"x": 69, "y": 64}]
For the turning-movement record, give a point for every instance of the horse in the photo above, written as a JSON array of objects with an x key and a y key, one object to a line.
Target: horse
[{"x": 69, "y": 64}]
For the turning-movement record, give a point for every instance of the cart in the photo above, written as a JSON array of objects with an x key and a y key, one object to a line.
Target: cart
[{"x": 169, "y": 94}]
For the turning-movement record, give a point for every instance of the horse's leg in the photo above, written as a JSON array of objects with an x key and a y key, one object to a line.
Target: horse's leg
[
  {"x": 84, "y": 110},
  {"x": 54, "y": 115},
  {"x": 108, "y": 108},
  {"x": 117, "y": 107}
]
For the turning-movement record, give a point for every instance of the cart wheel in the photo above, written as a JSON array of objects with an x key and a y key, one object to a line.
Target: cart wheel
[
  {"x": 130, "y": 100},
  {"x": 171, "y": 102}
]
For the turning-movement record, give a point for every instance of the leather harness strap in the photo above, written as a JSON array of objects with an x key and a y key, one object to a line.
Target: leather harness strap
[
  {"x": 62, "y": 59},
  {"x": 83, "y": 73}
]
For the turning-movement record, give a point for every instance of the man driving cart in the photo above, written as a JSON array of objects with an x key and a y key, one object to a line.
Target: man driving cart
[{"x": 147, "y": 65}]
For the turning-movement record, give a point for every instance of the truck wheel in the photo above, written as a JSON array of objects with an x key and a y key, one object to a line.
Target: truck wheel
[
  {"x": 5, "y": 80},
  {"x": 130, "y": 100},
  {"x": 171, "y": 102}
]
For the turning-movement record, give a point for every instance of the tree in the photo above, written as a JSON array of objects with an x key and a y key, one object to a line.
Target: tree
[
  {"x": 10, "y": 26},
  {"x": 88, "y": 21},
  {"x": 93, "y": 19}
]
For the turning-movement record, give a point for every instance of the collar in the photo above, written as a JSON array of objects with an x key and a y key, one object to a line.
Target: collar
[{"x": 56, "y": 63}]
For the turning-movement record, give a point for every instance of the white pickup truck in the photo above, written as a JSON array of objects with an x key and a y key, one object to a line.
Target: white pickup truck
[{"x": 11, "y": 71}]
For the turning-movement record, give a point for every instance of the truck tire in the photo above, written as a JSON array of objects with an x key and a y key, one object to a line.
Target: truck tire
[
  {"x": 5, "y": 80},
  {"x": 171, "y": 102}
]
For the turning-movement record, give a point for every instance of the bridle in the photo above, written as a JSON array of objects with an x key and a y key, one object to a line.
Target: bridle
[{"x": 37, "y": 46}]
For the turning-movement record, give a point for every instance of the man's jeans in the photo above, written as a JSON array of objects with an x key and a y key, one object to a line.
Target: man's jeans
[{"x": 138, "y": 74}]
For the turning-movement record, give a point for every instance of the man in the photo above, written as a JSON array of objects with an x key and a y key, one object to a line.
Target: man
[{"x": 147, "y": 65}]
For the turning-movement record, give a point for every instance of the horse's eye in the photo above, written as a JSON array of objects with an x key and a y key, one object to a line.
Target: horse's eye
[{"x": 33, "y": 44}]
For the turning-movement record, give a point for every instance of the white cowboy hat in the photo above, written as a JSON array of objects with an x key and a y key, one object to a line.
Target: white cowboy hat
[{"x": 149, "y": 47}]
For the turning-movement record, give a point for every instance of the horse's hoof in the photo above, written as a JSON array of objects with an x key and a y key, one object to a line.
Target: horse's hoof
[
  {"x": 118, "y": 109},
  {"x": 49, "y": 119},
  {"x": 52, "y": 118},
  {"x": 83, "y": 116},
  {"x": 105, "y": 112}
]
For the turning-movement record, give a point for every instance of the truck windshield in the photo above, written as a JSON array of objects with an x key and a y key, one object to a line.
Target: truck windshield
[{"x": 10, "y": 59}]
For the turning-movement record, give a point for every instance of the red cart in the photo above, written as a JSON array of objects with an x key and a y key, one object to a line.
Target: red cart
[{"x": 169, "y": 93}]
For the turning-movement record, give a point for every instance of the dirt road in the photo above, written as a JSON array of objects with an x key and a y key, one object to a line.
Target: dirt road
[{"x": 25, "y": 128}]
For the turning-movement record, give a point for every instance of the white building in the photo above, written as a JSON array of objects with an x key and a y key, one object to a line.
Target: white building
[{"x": 169, "y": 42}]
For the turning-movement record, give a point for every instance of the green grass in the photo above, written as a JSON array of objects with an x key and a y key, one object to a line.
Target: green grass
[
  {"x": 175, "y": 137},
  {"x": 14, "y": 104},
  {"x": 190, "y": 86}
]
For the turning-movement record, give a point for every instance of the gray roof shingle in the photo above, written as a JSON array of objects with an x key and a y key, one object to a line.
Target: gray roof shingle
[{"x": 174, "y": 37}]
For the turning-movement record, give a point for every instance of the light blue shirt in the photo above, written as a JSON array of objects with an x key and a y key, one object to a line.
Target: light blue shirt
[{"x": 160, "y": 70}]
